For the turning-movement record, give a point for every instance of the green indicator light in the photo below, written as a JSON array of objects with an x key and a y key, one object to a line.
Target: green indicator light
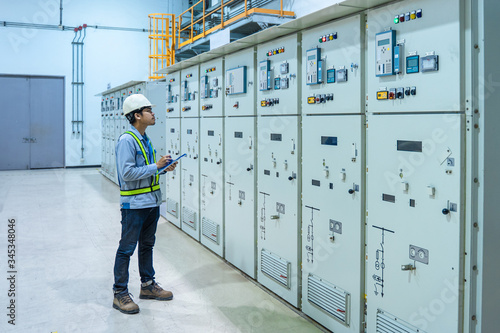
[
  {"x": 321, "y": 40},
  {"x": 396, "y": 20}
]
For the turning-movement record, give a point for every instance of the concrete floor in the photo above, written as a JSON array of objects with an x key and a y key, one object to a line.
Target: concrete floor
[{"x": 67, "y": 233}]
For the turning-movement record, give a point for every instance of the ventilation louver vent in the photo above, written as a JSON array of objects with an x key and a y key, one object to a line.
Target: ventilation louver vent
[
  {"x": 276, "y": 268},
  {"x": 172, "y": 207},
  {"x": 329, "y": 298},
  {"x": 189, "y": 217},
  {"x": 387, "y": 323},
  {"x": 210, "y": 229}
]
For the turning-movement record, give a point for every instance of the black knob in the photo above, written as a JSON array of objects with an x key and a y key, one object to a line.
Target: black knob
[
  {"x": 195, "y": 157},
  {"x": 219, "y": 162},
  {"x": 249, "y": 169},
  {"x": 446, "y": 211},
  {"x": 351, "y": 191},
  {"x": 290, "y": 178}
]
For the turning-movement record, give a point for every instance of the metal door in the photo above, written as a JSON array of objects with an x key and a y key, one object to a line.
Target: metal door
[
  {"x": 332, "y": 221},
  {"x": 190, "y": 172},
  {"x": 34, "y": 111},
  {"x": 278, "y": 206},
  {"x": 173, "y": 179},
  {"x": 15, "y": 133},
  {"x": 47, "y": 122},
  {"x": 240, "y": 179},
  {"x": 414, "y": 222},
  {"x": 211, "y": 184}
]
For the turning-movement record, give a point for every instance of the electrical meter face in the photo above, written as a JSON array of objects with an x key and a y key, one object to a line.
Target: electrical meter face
[
  {"x": 342, "y": 75},
  {"x": 312, "y": 66},
  {"x": 429, "y": 63},
  {"x": 384, "y": 48}
]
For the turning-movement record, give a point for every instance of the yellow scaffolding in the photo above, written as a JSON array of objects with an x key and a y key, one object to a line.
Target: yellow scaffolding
[
  {"x": 162, "y": 35},
  {"x": 166, "y": 32}
]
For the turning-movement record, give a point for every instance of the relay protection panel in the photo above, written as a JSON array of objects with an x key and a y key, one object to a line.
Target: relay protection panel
[
  {"x": 190, "y": 92},
  {"x": 331, "y": 73},
  {"x": 385, "y": 43},
  {"x": 211, "y": 87},
  {"x": 240, "y": 83},
  {"x": 313, "y": 66},
  {"x": 173, "y": 92},
  {"x": 236, "y": 80},
  {"x": 264, "y": 75},
  {"x": 414, "y": 61},
  {"x": 278, "y": 90}
]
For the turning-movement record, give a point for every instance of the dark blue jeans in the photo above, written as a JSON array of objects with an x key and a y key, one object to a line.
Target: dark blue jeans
[{"x": 138, "y": 225}]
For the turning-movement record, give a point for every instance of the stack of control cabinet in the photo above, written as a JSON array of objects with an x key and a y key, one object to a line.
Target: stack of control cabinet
[{"x": 332, "y": 163}]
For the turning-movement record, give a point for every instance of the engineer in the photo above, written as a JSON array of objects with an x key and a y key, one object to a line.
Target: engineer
[{"x": 140, "y": 198}]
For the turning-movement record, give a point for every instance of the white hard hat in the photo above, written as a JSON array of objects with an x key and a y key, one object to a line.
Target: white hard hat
[{"x": 135, "y": 102}]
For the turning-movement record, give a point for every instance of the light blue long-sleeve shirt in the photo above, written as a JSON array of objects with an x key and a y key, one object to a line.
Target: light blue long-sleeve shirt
[{"x": 133, "y": 173}]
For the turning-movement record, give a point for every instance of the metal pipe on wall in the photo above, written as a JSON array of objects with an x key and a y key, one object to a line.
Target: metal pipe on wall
[
  {"x": 72, "y": 85},
  {"x": 60, "y": 13},
  {"x": 82, "y": 83},
  {"x": 23, "y": 25},
  {"x": 77, "y": 82}
]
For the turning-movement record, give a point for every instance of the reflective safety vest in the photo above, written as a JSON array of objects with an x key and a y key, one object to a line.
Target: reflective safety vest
[{"x": 155, "y": 183}]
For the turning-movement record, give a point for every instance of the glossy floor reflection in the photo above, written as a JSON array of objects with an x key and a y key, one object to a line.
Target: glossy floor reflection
[{"x": 67, "y": 231}]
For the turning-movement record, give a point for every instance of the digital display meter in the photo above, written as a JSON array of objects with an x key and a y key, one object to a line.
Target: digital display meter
[{"x": 412, "y": 64}]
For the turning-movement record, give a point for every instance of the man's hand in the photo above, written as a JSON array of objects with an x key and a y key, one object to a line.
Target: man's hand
[
  {"x": 172, "y": 167},
  {"x": 164, "y": 160}
]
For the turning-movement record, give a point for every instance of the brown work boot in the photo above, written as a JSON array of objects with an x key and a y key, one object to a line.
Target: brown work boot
[
  {"x": 125, "y": 304},
  {"x": 151, "y": 290}
]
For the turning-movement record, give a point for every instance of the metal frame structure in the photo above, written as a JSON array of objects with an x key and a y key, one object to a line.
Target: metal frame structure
[
  {"x": 162, "y": 29},
  {"x": 189, "y": 28}
]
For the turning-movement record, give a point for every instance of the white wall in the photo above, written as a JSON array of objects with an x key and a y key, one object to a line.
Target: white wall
[{"x": 113, "y": 57}]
